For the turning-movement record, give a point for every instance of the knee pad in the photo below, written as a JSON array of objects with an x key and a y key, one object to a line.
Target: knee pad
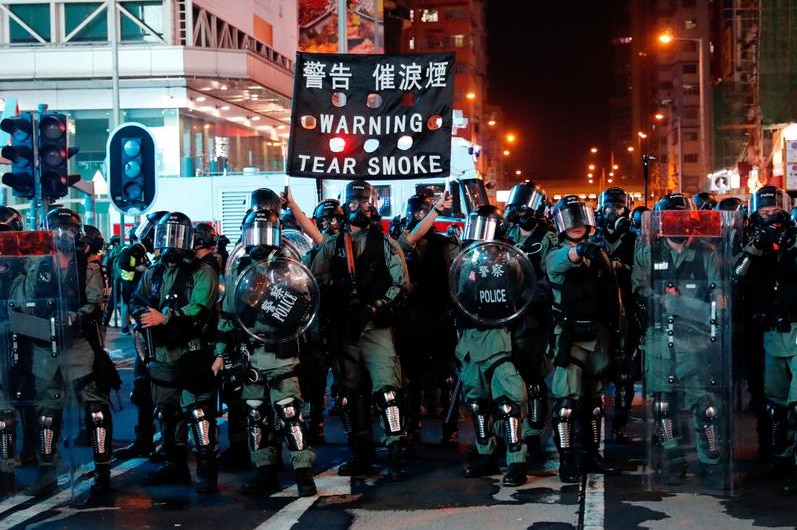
[
  {"x": 510, "y": 415},
  {"x": 100, "y": 427},
  {"x": 663, "y": 412},
  {"x": 480, "y": 414},
  {"x": 563, "y": 419},
  {"x": 289, "y": 411},
  {"x": 707, "y": 416},
  {"x": 203, "y": 427},
  {"x": 49, "y": 423},
  {"x": 168, "y": 417},
  {"x": 538, "y": 405},
  {"x": 260, "y": 426},
  {"x": 8, "y": 435},
  {"x": 388, "y": 401},
  {"x": 594, "y": 417},
  {"x": 780, "y": 425}
]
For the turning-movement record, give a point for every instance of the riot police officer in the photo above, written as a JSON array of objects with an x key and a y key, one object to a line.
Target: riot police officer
[
  {"x": 173, "y": 303},
  {"x": 704, "y": 200},
  {"x": 618, "y": 240},
  {"x": 364, "y": 276},
  {"x": 531, "y": 333},
  {"x": 492, "y": 386},
  {"x": 586, "y": 309},
  {"x": 271, "y": 390},
  {"x": 676, "y": 282},
  {"x": 75, "y": 364},
  {"x": 636, "y": 218},
  {"x": 130, "y": 264},
  {"x": 768, "y": 266},
  {"x": 426, "y": 336}
]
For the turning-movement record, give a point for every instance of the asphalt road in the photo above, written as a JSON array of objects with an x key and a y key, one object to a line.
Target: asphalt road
[{"x": 436, "y": 495}]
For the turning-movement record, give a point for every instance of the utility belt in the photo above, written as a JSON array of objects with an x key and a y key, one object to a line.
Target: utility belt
[{"x": 578, "y": 329}]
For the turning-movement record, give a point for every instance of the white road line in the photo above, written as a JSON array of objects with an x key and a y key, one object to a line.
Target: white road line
[
  {"x": 594, "y": 503},
  {"x": 328, "y": 484}
]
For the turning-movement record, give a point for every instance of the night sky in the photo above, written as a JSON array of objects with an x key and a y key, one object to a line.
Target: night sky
[{"x": 550, "y": 71}]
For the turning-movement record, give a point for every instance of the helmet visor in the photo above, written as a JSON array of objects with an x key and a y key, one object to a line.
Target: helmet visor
[
  {"x": 262, "y": 232},
  {"x": 573, "y": 215},
  {"x": 174, "y": 235},
  {"x": 480, "y": 228}
]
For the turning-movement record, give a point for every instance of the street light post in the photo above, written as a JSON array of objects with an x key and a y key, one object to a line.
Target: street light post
[{"x": 666, "y": 38}]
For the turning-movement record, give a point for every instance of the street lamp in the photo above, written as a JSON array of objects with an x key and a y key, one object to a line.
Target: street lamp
[{"x": 666, "y": 38}]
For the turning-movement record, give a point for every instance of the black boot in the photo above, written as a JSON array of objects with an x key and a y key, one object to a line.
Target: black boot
[
  {"x": 206, "y": 475},
  {"x": 534, "y": 452},
  {"x": 174, "y": 471},
  {"x": 304, "y": 481},
  {"x": 137, "y": 449},
  {"x": 361, "y": 461},
  {"x": 46, "y": 481},
  {"x": 102, "y": 480},
  {"x": 264, "y": 481},
  {"x": 569, "y": 472},
  {"x": 479, "y": 465},
  {"x": 8, "y": 484},
  {"x": 236, "y": 457},
  {"x": 515, "y": 475},
  {"x": 395, "y": 462}
]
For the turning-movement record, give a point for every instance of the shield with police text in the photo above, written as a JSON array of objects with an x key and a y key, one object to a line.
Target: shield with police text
[
  {"x": 492, "y": 282},
  {"x": 276, "y": 299}
]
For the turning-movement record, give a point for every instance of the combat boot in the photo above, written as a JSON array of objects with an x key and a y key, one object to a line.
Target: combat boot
[
  {"x": 8, "y": 484},
  {"x": 515, "y": 475},
  {"x": 264, "y": 481},
  {"x": 395, "y": 462},
  {"x": 206, "y": 475},
  {"x": 304, "y": 482},
  {"x": 479, "y": 465},
  {"x": 101, "y": 485},
  {"x": 174, "y": 471},
  {"x": 46, "y": 481},
  {"x": 361, "y": 461}
]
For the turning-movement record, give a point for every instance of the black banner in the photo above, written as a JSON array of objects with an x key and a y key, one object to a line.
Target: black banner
[{"x": 371, "y": 116}]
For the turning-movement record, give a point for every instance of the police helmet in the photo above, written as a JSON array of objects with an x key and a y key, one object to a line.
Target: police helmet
[
  {"x": 359, "y": 197},
  {"x": 731, "y": 204},
  {"x": 636, "y": 217},
  {"x": 65, "y": 219},
  {"x": 93, "y": 239},
  {"x": 769, "y": 196},
  {"x": 329, "y": 216},
  {"x": 204, "y": 236},
  {"x": 265, "y": 199},
  {"x": 418, "y": 207},
  {"x": 571, "y": 212},
  {"x": 11, "y": 218},
  {"x": 704, "y": 200},
  {"x": 261, "y": 233},
  {"x": 674, "y": 201},
  {"x": 485, "y": 223},
  {"x": 144, "y": 229},
  {"x": 288, "y": 220},
  {"x": 526, "y": 202},
  {"x": 174, "y": 233},
  {"x": 614, "y": 209}
]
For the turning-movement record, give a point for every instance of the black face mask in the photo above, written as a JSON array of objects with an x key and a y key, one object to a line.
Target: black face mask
[
  {"x": 359, "y": 218},
  {"x": 678, "y": 240},
  {"x": 261, "y": 252}
]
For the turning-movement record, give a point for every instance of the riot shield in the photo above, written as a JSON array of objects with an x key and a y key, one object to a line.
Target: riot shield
[
  {"x": 44, "y": 357},
  {"x": 491, "y": 282},
  {"x": 684, "y": 283},
  {"x": 276, "y": 300},
  {"x": 293, "y": 245}
]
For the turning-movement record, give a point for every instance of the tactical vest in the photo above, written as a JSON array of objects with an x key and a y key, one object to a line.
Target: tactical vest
[
  {"x": 689, "y": 271},
  {"x": 532, "y": 248},
  {"x": 370, "y": 270},
  {"x": 179, "y": 330},
  {"x": 428, "y": 269},
  {"x": 773, "y": 287}
]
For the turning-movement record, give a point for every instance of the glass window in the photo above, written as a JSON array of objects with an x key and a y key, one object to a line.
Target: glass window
[
  {"x": 96, "y": 30},
  {"x": 35, "y": 16},
  {"x": 148, "y": 12}
]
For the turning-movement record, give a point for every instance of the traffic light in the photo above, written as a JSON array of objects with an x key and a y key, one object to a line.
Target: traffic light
[
  {"x": 53, "y": 156},
  {"x": 131, "y": 155},
  {"x": 21, "y": 179}
]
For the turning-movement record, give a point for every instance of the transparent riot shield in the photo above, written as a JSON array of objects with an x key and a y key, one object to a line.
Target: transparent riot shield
[
  {"x": 44, "y": 357},
  {"x": 276, "y": 300},
  {"x": 684, "y": 283},
  {"x": 293, "y": 245},
  {"x": 492, "y": 282}
]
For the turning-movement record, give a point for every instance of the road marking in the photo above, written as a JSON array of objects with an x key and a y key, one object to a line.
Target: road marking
[
  {"x": 328, "y": 484},
  {"x": 594, "y": 503}
]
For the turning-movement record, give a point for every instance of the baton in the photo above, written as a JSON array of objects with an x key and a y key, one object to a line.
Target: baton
[{"x": 454, "y": 399}]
